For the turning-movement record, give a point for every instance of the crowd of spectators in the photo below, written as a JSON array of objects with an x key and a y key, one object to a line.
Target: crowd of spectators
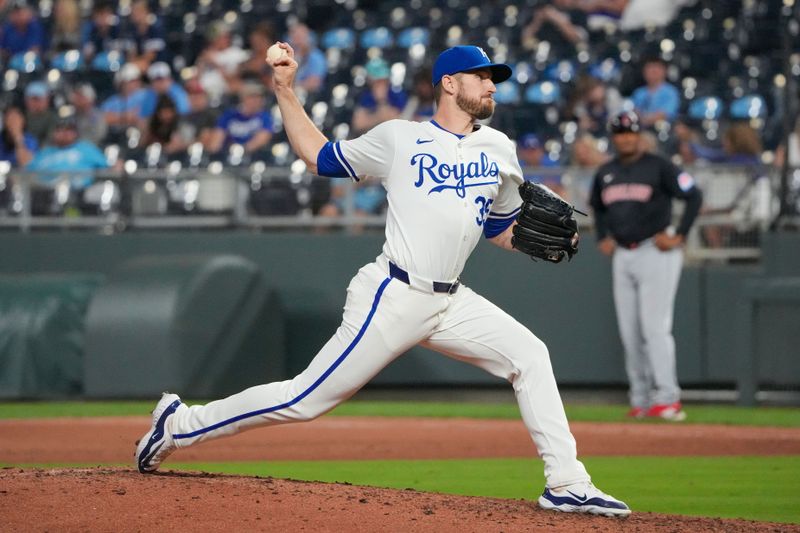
[{"x": 219, "y": 102}]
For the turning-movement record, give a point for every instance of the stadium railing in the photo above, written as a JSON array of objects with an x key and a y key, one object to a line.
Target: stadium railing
[{"x": 739, "y": 202}]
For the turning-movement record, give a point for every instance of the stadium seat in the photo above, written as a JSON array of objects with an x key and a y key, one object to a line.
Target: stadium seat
[
  {"x": 68, "y": 61},
  {"x": 26, "y": 62},
  {"x": 748, "y": 107},
  {"x": 607, "y": 70},
  {"x": 523, "y": 72},
  {"x": 412, "y": 36},
  {"x": 706, "y": 108},
  {"x": 342, "y": 38},
  {"x": 508, "y": 92},
  {"x": 377, "y": 38},
  {"x": 148, "y": 198},
  {"x": 545, "y": 92},
  {"x": 108, "y": 61}
]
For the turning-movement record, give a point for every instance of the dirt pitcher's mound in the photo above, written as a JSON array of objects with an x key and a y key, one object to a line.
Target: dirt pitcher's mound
[{"x": 123, "y": 500}]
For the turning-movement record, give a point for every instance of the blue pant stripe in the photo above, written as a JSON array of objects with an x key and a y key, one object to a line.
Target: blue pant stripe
[{"x": 310, "y": 389}]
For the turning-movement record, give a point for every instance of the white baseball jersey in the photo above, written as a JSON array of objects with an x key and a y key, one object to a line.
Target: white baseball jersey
[{"x": 443, "y": 189}]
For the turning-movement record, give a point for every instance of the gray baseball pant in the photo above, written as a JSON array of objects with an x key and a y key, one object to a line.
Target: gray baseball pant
[{"x": 645, "y": 283}]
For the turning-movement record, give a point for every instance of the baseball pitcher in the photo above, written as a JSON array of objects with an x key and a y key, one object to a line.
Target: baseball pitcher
[{"x": 448, "y": 181}]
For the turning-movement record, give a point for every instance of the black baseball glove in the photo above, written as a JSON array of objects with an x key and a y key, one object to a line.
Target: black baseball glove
[{"x": 545, "y": 226}]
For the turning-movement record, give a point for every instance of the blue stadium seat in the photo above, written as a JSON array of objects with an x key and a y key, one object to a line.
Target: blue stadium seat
[
  {"x": 25, "y": 62},
  {"x": 748, "y": 107},
  {"x": 377, "y": 38},
  {"x": 523, "y": 72},
  {"x": 108, "y": 61},
  {"x": 338, "y": 38},
  {"x": 545, "y": 92},
  {"x": 508, "y": 92},
  {"x": 607, "y": 70},
  {"x": 562, "y": 71},
  {"x": 411, "y": 36},
  {"x": 68, "y": 61},
  {"x": 706, "y": 108}
]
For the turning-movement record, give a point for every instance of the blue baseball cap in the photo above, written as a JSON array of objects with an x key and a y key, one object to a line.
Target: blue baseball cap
[
  {"x": 37, "y": 89},
  {"x": 465, "y": 58},
  {"x": 529, "y": 140}
]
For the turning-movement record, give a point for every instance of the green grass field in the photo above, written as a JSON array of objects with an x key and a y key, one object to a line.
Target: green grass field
[
  {"x": 755, "y": 488},
  {"x": 706, "y": 414}
]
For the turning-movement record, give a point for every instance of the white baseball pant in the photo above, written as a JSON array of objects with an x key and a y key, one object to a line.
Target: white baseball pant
[{"x": 384, "y": 317}]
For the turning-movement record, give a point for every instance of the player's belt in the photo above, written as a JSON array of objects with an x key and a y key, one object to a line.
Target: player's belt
[
  {"x": 438, "y": 286},
  {"x": 635, "y": 244}
]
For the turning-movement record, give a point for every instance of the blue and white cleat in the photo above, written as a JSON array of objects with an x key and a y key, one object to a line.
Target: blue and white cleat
[
  {"x": 582, "y": 498},
  {"x": 157, "y": 443}
]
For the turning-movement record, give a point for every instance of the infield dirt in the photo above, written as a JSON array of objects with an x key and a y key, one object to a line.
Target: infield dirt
[{"x": 119, "y": 499}]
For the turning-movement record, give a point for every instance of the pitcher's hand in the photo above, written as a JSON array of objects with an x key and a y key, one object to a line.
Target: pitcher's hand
[{"x": 284, "y": 67}]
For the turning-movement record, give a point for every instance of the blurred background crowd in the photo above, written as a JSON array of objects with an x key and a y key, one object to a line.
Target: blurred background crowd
[{"x": 163, "y": 89}]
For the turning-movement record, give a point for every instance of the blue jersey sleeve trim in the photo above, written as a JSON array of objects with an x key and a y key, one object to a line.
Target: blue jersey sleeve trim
[
  {"x": 328, "y": 163},
  {"x": 494, "y": 226},
  {"x": 343, "y": 161}
]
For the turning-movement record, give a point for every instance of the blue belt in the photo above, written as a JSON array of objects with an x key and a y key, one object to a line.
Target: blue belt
[{"x": 438, "y": 286}]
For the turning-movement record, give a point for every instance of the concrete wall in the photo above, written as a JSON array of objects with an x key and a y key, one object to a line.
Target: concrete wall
[{"x": 568, "y": 305}]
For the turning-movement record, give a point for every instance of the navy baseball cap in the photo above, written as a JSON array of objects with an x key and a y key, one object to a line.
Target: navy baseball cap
[
  {"x": 466, "y": 58},
  {"x": 625, "y": 122}
]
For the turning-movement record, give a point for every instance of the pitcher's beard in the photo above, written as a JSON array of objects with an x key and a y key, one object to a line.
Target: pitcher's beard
[{"x": 476, "y": 107}]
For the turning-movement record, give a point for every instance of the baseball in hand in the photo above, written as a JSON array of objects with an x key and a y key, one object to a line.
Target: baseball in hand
[{"x": 275, "y": 52}]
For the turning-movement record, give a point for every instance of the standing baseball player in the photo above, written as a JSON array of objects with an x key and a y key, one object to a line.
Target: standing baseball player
[
  {"x": 448, "y": 181},
  {"x": 632, "y": 201}
]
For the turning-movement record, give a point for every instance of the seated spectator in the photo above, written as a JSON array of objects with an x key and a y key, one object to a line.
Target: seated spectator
[
  {"x": 202, "y": 118},
  {"x": 22, "y": 32},
  {"x": 68, "y": 154},
  {"x": 161, "y": 83},
  {"x": 124, "y": 109},
  {"x": 313, "y": 68},
  {"x": 261, "y": 37},
  {"x": 17, "y": 146},
  {"x": 218, "y": 63},
  {"x": 656, "y": 100},
  {"x": 143, "y": 35},
  {"x": 740, "y": 145},
  {"x": 92, "y": 126},
  {"x": 166, "y": 128},
  {"x": 248, "y": 124},
  {"x": 380, "y": 101},
  {"x": 420, "y": 107},
  {"x": 101, "y": 32},
  {"x": 629, "y": 15},
  {"x": 39, "y": 114},
  {"x": 591, "y": 104},
  {"x": 586, "y": 154},
  {"x": 560, "y": 24},
  {"x": 533, "y": 158},
  {"x": 66, "y": 32}
]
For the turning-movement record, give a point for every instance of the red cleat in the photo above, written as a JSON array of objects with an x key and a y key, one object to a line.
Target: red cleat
[
  {"x": 672, "y": 412},
  {"x": 635, "y": 412}
]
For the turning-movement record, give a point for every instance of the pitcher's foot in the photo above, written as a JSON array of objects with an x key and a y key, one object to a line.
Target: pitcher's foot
[{"x": 157, "y": 443}]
